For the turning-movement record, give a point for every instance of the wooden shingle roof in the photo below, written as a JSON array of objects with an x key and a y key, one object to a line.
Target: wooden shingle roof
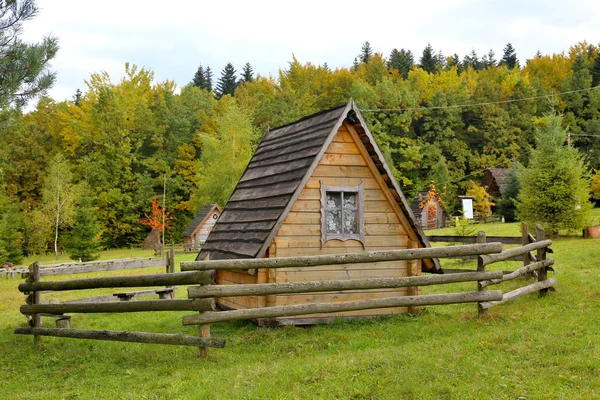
[
  {"x": 200, "y": 217},
  {"x": 284, "y": 160}
]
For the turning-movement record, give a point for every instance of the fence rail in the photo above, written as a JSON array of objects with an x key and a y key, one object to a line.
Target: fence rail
[{"x": 203, "y": 291}]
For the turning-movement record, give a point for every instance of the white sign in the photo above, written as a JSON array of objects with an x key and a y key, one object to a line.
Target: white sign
[{"x": 467, "y": 206}]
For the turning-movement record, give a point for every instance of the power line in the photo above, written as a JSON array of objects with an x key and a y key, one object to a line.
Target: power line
[{"x": 478, "y": 104}]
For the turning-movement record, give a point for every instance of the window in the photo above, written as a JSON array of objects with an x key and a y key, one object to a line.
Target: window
[{"x": 342, "y": 215}]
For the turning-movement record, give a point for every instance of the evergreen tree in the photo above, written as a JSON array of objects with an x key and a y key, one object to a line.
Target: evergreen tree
[
  {"x": 247, "y": 74},
  {"x": 507, "y": 206},
  {"x": 555, "y": 187},
  {"x": 24, "y": 70},
  {"x": 538, "y": 54},
  {"x": 489, "y": 60},
  {"x": 429, "y": 61},
  {"x": 227, "y": 82},
  {"x": 11, "y": 239},
  {"x": 200, "y": 78},
  {"x": 326, "y": 67},
  {"x": 366, "y": 53},
  {"x": 77, "y": 97},
  {"x": 454, "y": 60},
  {"x": 402, "y": 61},
  {"x": 208, "y": 79},
  {"x": 596, "y": 71},
  {"x": 510, "y": 57},
  {"x": 82, "y": 241},
  {"x": 472, "y": 60}
]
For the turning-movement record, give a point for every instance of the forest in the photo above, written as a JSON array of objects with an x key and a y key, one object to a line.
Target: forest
[{"x": 115, "y": 146}]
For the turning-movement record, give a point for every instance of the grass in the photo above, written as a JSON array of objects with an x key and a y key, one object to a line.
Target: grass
[{"x": 530, "y": 348}]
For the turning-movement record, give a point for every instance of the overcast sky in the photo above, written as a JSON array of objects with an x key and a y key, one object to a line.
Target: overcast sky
[{"x": 173, "y": 38}]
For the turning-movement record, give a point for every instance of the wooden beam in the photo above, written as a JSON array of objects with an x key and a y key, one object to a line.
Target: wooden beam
[
  {"x": 473, "y": 239},
  {"x": 519, "y": 272},
  {"x": 122, "y": 306},
  {"x": 510, "y": 253},
  {"x": 320, "y": 308},
  {"x": 124, "y": 336},
  {"x": 177, "y": 278},
  {"x": 77, "y": 269},
  {"x": 264, "y": 289},
  {"x": 346, "y": 258},
  {"x": 534, "y": 287}
]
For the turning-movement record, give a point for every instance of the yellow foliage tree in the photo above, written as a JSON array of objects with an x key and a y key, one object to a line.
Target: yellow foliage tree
[{"x": 483, "y": 201}]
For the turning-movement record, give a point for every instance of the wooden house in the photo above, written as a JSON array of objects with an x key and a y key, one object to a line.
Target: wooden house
[
  {"x": 197, "y": 231},
  {"x": 495, "y": 181},
  {"x": 428, "y": 214},
  {"x": 317, "y": 186}
]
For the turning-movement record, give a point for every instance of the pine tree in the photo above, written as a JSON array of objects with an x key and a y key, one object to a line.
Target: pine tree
[
  {"x": 429, "y": 61},
  {"x": 199, "y": 78},
  {"x": 82, "y": 241},
  {"x": 24, "y": 70},
  {"x": 596, "y": 71},
  {"x": 555, "y": 187},
  {"x": 489, "y": 60},
  {"x": 366, "y": 53},
  {"x": 510, "y": 57},
  {"x": 472, "y": 60},
  {"x": 208, "y": 79},
  {"x": 507, "y": 206},
  {"x": 454, "y": 60},
  {"x": 77, "y": 97},
  {"x": 227, "y": 82},
  {"x": 355, "y": 63},
  {"x": 247, "y": 74},
  {"x": 11, "y": 239},
  {"x": 402, "y": 61}
]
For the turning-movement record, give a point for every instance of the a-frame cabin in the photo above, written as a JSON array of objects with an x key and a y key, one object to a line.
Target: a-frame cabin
[{"x": 317, "y": 186}]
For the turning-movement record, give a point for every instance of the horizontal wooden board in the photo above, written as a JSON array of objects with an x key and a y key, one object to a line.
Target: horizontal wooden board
[
  {"x": 302, "y": 218},
  {"x": 315, "y": 194},
  {"x": 307, "y": 206},
  {"x": 362, "y": 313},
  {"x": 314, "y": 242},
  {"x": 315, "y": 182},
  {"x": 402, "y": 265},
  {"x": 334, "y": 297},
  {"x": 239, "y": 302},
  {"x": 235, "y": 277},
  {"x": 342, "y": 171},
  {"x": 292, "y": 252},
  {"x": 342, "y": 159},
  {"x": 315, "y": 206},
  {"x": 342, "y": 148},
  {"x": 307, "y": 276},
  {"x": 342, "y": 136}
]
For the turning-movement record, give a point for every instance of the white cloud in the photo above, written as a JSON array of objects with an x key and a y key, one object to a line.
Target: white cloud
[{"x": 173, "y": 38}]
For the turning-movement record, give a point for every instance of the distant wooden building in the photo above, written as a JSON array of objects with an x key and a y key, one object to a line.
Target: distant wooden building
[
  {"x": 495, "y": 181},
  {"x": 430, "y": 215},
  {"x": 198, "y": 229},
  {"x": 317, "y": 186}
]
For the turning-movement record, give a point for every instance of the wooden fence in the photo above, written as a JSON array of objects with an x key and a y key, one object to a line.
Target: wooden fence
[
  {"x": 202, "y": 291},
  {"x": 37, "y": 271}
]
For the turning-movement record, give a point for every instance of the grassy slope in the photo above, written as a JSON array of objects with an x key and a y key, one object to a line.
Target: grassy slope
[{"x": 530, "y": 348}]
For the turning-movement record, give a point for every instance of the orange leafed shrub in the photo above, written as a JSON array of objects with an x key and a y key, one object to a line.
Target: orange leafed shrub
[{"x": 154, "y": 220}]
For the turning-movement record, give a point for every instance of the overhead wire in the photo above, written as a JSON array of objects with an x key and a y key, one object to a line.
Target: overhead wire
[{"x": 547, "y": 96}]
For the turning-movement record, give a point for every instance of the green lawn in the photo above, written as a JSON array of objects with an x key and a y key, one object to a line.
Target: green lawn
[{"x": 531, "y": 348}]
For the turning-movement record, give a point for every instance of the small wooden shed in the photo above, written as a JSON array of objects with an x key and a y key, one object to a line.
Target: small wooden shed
[
  {"x": 495, "y": 181},
  {"x": 198, "y": 229},
  {"x": 428, "y": 214},
  {"x": 317, "y": 186}
]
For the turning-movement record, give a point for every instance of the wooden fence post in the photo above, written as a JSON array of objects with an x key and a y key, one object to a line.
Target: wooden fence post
[
  {"x": 540, "y": 234},
  {"x": 480, "y": 268},
  {"x": 412, "y": 269},
  {"x": 36, "y": 319},
  {"x": 524, "y": 241}
]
